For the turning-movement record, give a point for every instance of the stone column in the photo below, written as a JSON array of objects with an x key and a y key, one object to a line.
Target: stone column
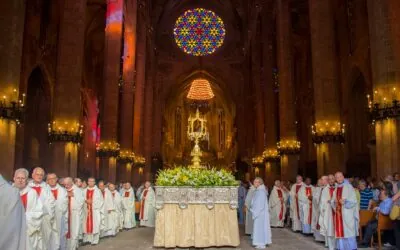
[
  {"x": 140, "y": 79},
  {"x": 384, "y": 36},
  {"x": 270, "y": 98},
  {"x": 112, "y": 63},
  {"x": 126, "y": 117},
  {"x": 330, "y": 156},
  {"x": 149, "y": 111},
  {"x": 12, "y": 17},
  {"x": 258, "y": 93},
  {"x": 67, "y": 90},
  {"x": 289, "y": 162}
]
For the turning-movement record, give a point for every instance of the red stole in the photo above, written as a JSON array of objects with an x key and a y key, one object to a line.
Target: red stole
[
  {"x": 339, "y": 232},
  {"x": 298, "y": 186},
  {"x": 103, "y": 192},
  {"x": 331, "y": 190},
  {"x": 89, "y": 218},
  {"x": 38, "y": 190},
  {"x": 126, "y": 194},
  {"x": 142, "y": 204},
  {"x": 113, "y": 194},
  {"x": 55, "y": 193},
  {"x": 280, "y": 195},
  {"x": 69, "y": 213},
  {"x": 24, "y": 199},
  {"x": 308, "y": 193}
]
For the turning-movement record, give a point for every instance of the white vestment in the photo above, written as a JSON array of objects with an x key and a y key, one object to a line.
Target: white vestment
[
  {"x": 306, "y": 211},
  {"x": 93, "y": 216},
  {"x": 75, "y": 211},
  {"x": 61, "y": 217},
  {"x": 128, "y": 208},
  {"x": 34, "y": 213},
  {"x": 261, "y": 235},
  {"x": 110, "y": 224},
  {"x": 315, "y": 227},
  {"x": 277, "y": 207},
  {"x": 83, "y": 193},
  {"x": 147, "y": 215},
  {"x": 12, "y": 218},
  {"x": 117, "y": 215},
  {"x": 247, "y": 203},
  {"x": 326, "y": 220},
  {"x": 48, "y": 228},
  {"x": 295, "y": 207},
  {"x": 346, "y": 216}
]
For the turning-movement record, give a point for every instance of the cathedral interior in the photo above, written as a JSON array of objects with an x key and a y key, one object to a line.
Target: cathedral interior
[{"x": 100, "y": 88}]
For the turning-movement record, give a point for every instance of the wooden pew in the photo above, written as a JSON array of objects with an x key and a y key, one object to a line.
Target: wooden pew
[
  {"x": 384, "y": 223},
  {"x": 365, "y": 217}
]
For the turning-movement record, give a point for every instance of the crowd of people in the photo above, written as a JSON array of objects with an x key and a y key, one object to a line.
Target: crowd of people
[
  {"x": 328, "y": 211},
  {"x": 46, "y": 212}
]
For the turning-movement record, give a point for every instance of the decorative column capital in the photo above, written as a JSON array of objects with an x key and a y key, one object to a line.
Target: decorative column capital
[
  {"x": 288, "y": 147},
  {"x": 328, "y": 132},
  {"x": 108, "y": 149},
  {"x": 126, "y": 156},
  {"x": 65, "y": 131}
]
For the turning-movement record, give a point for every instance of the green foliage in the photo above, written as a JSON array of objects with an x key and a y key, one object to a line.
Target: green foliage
[{"x": 181, "y": 176}]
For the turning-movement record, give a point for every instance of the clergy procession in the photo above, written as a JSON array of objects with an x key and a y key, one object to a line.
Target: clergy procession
[{"x": 50, "y": 213}]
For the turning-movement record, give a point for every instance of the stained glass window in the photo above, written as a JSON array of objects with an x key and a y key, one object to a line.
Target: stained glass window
[{"x": 199, "y": 32}]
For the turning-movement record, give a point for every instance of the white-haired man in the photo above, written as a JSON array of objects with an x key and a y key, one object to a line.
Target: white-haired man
[
  {"x": 12, "y": 236},
  {"x": 277, "y": 205},
  {"x": 147, "y": 215},
  {"x": 61, "y": 212},
  {"x": 259, "y": 209},
  {"x": 116, "y": 216},
  {"x": 43, "y": 191},
  {"x": 108, "y": 208},
  {"x": 34, "y": 211},
  {"x": 75, "y": 210}
]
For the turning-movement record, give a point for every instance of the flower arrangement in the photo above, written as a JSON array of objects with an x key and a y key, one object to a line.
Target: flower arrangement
[{"x": 181, "y": 176}]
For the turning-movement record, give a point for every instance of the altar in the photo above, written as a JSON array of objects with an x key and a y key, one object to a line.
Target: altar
[{"x": 196, "y": 217}]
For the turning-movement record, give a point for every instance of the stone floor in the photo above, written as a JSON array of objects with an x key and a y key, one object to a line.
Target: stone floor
[{"x": 141, "y": 239}]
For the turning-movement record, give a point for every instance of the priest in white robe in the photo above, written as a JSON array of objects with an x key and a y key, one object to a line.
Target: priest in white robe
[
  {"x": 277, "y": 205},
  {"x": 61, "y": 212},
  {"x": 128, "y": 206},
  {"x": 249, "y": 219},
  {"x": 259, "y": 209},
  {"x": 322, "y": 182},
  {"x": 75, "y": 211},
  {"x": 326, "y": 218},
  {"x": 294, "y": 204},
  {"x": 34, "y": 211},
  {"x": 12, "y": 214},
  {"x": 116, "y": 215},
  {"x": 93, "y": 216},
  {"x": 147, "y": 215},
  {"x": 79, "y": 184},
  {"x": 109, "y": 228},
  {"x": 305, "y": 197},
  {"x": 49, "y": 230},
  {"x": 345, "y": 206}
]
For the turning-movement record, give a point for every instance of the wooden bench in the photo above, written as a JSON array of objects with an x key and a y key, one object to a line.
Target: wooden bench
[
  {"x": 384, "y": 224},
  {"x": 365, "y": 217}
]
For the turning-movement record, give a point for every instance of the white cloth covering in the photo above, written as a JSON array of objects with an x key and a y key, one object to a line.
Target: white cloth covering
[
  {"x": 259, "y": 209},
  {"x": 117, "y": 214}
]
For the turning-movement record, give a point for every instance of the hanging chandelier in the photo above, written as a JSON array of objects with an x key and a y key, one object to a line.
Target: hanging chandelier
[{"x": 200, "y": 90}]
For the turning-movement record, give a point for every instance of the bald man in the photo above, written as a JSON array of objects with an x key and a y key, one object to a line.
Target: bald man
[
  {"x": 43, "y": 191},
  {"x": 344, "y": 204},
  {"x": 13, "y": 236}
]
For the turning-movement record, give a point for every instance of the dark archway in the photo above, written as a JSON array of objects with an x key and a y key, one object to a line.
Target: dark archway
[
  {"x": 37, "y": 117},
  {"x": 358, "y": 163}
]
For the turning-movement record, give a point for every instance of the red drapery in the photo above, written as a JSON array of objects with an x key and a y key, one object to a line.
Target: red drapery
[{"x": 89, "y": 218}]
